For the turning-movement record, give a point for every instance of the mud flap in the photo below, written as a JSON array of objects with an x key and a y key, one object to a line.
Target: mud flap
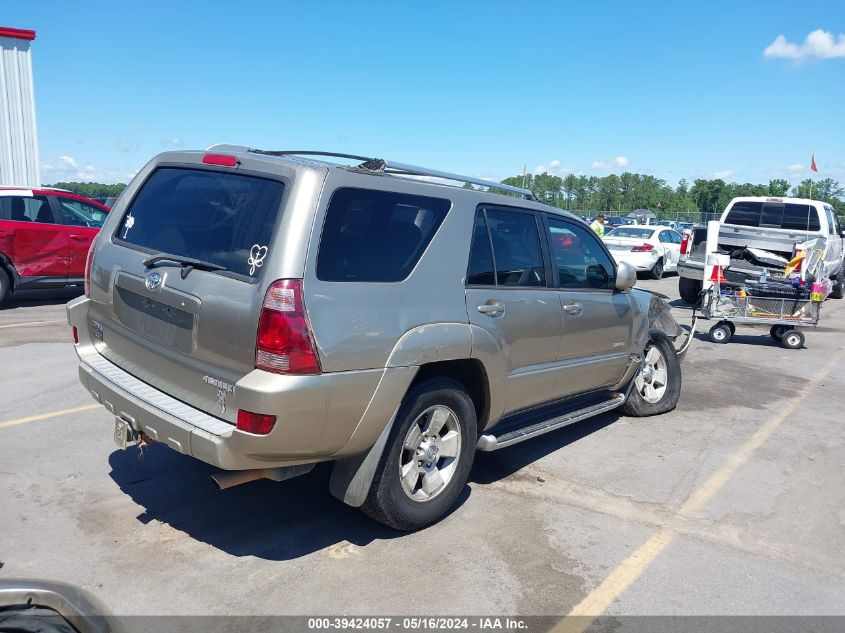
[{"x": 352, "y": 477}]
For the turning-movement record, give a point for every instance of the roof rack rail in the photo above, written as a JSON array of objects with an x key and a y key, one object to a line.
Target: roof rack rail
[{"x": 381, "y": 166}]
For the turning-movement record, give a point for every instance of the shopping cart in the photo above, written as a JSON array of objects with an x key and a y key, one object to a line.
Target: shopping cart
[{"x": 784, "y": 315}]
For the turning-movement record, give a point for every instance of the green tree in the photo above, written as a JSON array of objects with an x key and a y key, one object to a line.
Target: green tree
[
  {"x": 91, "y": 189},
  {"x": 778, "y": 187}
]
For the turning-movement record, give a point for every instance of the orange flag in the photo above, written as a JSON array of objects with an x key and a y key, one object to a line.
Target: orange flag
[{"x": 813, "y": 163}]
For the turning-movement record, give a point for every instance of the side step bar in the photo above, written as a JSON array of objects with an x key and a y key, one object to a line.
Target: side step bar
[{"x": 490, "y": 442}]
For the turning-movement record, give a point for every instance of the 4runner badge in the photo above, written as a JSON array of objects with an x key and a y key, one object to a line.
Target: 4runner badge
[{"x": 223, "y": 389}]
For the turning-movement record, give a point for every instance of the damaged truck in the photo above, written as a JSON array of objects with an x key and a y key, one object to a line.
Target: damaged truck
[{"x": 762, "y": 235}]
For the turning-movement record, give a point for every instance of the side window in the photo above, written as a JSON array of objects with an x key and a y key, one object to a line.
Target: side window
[
  {"x": 666, "y": 237},
  {"x": 745, "y": 213},
  {"x": 77, "y": 213},
  {"x": 480, "y": 271},
  {"x": 517, "y": 254},
  {"x": 376, "y": 235},
  {"x": 579, "y": 257},
  {"x": 832, "y": 228},
  {"x": 677, "y": 238}
]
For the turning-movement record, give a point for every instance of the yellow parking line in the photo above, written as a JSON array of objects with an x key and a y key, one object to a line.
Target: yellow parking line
[
  {"x": 3, "y": 327},
  {"x": 598, "y": 600},
  {"x": 51, "y": 414}
]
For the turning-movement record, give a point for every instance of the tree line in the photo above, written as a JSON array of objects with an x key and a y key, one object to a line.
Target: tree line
[
  {"x": 92, "y": 189},
  {"x": 618, "y": 194},
  {"x": 621, "y": 194}
]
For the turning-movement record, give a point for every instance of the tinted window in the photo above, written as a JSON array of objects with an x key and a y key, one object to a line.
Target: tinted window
[
  {"x": 516, "y": 248},
  {"x": 800, "y": 217},
  {"x": 772, "y": 215},
  {"x": 745, "y": 213},
  {"x": 832, "y": 227},
  {"x": 78, "y": 213},
  {"x": 480, "y": 271},
  {"x": 666, "y": 237},
  {"x": 580, "y": 259},
  {"x": 675, "y": 237},
  {"x": 223, "y": 218},
  {"x": 376, "y": 235}
]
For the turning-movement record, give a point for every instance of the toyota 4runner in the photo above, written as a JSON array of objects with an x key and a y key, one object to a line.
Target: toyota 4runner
[{"x": 266, "y": 311}]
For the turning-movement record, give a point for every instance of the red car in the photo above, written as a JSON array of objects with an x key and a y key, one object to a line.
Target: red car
[{"x": 44, "y": 237}]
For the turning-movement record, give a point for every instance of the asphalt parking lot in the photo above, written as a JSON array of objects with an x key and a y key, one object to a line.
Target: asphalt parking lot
[{"x": 732, "y": 504}]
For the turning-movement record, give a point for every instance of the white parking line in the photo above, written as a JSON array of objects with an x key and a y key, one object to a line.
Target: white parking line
[
  {"x": 45, "y": 416},
  {"x": 28, "y": 323}
]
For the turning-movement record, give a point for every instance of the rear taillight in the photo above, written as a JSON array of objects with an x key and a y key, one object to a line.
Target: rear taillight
[
  {"x": 643, "y": 248},
  {"x": 75, "y": 336},
  {"x": 257, "y": 423},
  {"x": 685, "y": 243},
  {"x": 284, "y": 343},
  {"x": 89, "y": 259}
]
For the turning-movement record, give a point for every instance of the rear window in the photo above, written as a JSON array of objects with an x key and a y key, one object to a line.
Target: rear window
[
  {"x": 223, "y": 218},
  {"x": 790, "y": 216},
  {"x": 635, "y": 233},
  {"x": 376, "y": 235}
]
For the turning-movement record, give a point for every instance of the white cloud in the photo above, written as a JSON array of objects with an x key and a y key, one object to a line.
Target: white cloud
[
  {"x": 722, "y": 174},
  {"x": 128, "y": 146},
  {"x": 68, "y": 169},
  {"x": 173, "y": 141},
  {"x": 819, "y": 44},
  {"x": 619, "y": 161},
  {"x": 554, "y": 167},
  {"x": 795, "y": 168}
]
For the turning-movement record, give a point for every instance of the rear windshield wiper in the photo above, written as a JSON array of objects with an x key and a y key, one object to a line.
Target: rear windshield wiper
[{"x": 187, "y": 263}]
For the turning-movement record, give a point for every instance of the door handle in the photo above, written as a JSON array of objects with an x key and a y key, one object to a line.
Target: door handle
[
  {"x": 492, "y": 309},
  {"x": 78, "y": 238},
  {"x": 575, "y": 309}
]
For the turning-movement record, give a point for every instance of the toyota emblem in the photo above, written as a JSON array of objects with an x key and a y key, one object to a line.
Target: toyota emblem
[{"x": 153, "y": 281}]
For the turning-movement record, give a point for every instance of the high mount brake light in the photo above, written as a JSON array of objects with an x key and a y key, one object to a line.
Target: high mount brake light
[
  {"x": 224, "y": 160},
  {"x": 284, "y": 343}
]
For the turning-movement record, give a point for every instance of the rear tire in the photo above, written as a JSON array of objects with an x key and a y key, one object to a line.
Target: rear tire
[
  {"x": 690, "y": 290},
  {"x": 657, "y": 269},
  {"x": 792, "y": 339},
  {"x": 657, "y": 386},
  {"x": 721, "y": 333},
  {"x": 5, "y": 286},
  {"x": 838, "y": 289},
  {"x": 414, "y": 485},
  {"x": 776, "y": 332}
]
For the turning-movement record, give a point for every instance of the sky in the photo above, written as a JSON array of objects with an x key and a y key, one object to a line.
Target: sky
[{"x": 745, "y": 91}]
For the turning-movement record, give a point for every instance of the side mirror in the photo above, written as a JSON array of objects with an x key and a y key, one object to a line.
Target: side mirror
[{"x": 626, "y": 277}]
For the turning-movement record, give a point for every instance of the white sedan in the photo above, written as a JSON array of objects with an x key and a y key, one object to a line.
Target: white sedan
[{"x": 652, "y": 249}]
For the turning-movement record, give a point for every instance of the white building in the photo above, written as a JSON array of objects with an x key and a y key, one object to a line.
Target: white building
[{"x": 18, "y": 134}]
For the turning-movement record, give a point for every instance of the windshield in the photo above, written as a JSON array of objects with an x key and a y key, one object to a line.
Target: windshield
[
  {"x": 642, "y": 234},
  {"x": 221, "y": 218}
]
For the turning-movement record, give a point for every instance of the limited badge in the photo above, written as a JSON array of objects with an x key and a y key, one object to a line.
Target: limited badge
[{"x": 256, "y": 257}]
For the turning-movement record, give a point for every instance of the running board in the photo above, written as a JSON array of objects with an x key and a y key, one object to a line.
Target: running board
[{"x": 490, "y": 442}]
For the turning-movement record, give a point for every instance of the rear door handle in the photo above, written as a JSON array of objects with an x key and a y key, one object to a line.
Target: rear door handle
[
  {"x": 492, "y": 309},
  {"x": 78, "y": 238},
  {"x": 575, "y": 309}
]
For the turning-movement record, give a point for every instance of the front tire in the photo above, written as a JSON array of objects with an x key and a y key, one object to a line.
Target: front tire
[
  {"x": 657, "y": 386},
  {"x": 721, "y": 333},
  {"x": 657, "y": 269},
  {"x": 792, "y": 339},
  {"x": 690, "y": 290},
  {"x": 428, "y": 456}
]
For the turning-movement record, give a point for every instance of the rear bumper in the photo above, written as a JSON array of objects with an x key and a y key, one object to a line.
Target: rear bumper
[
  {"x": 335, "y": 414},
  {"x": 640, "y": 261}
]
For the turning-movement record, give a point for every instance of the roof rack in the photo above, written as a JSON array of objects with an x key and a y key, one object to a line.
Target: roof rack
[{"x": 380, "y": 166}]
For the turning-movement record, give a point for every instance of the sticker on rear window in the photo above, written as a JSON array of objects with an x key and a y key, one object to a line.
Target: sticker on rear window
[
  {"x": 256, "y": 257},
  {"x": 128, "y": 224}
]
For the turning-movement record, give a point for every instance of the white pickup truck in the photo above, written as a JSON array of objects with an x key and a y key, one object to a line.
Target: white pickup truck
[{"x": 775, "y": 225}]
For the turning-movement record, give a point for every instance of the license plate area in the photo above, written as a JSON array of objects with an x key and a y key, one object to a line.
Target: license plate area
[{"x": 124, "y": 434}]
